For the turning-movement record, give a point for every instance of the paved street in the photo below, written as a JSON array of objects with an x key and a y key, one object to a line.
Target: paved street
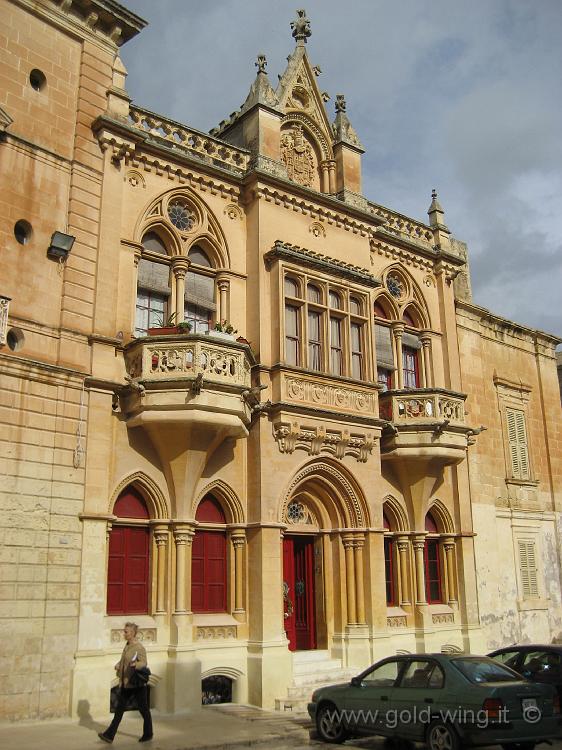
[{"x": 210, "y": 728}]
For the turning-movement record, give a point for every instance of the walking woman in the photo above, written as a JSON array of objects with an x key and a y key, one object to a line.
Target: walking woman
[{"x": 133, "y": 658}]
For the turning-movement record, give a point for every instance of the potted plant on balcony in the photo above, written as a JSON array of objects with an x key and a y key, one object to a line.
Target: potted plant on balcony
[
  {"x": 164, "y": 328},
  {"x": 223, "y": 330},
  {"x": 184, "y": 326}
]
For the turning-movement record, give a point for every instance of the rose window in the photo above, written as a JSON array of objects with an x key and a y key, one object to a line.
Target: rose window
[
  {"x": 296, "y": 513},
  {"x": 395, "y": 286},
  {"x": 180, "y": 216}
]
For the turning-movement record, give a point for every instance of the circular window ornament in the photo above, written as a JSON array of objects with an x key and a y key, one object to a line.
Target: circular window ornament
[
  {"x": 180, "y": 216},
  {"x": 395, "y": 285},
  {"x": 22, "y": 231},
  {"x": 296, "y": 513},
  {"x": 15, "y": 339},
  {"x": 37, "y": 79}
]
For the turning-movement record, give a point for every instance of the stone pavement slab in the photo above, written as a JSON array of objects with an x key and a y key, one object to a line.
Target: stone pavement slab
[{"x": 225, "y": 726}]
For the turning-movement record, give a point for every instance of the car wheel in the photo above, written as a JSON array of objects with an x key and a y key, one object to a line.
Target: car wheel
[
  {"x": 518, "y": 745},
  {"x": 329, "y": 725},
  {"x": 442, "y": 736}
]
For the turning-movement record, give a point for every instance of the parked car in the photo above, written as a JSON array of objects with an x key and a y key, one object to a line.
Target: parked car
[
  {"x": 445, "y": 700},
  {"x": 536, "y": 663}
]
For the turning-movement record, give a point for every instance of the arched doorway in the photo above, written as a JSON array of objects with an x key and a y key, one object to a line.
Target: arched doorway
[{"x": 325, "y": 518}]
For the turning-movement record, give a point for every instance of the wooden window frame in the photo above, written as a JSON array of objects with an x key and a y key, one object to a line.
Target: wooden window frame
[{"x": 408, "y": 351}]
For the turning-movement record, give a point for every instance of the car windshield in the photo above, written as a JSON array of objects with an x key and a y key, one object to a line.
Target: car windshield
[{"x": 484, "y": 670}]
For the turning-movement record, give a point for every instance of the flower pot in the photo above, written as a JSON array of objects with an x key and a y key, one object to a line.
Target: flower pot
[{"x": 163, "y": 331}]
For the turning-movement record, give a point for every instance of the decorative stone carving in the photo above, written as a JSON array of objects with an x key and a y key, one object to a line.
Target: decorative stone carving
[
  {"x": 396, "y": 621},
  {"x": 144, "y": 635},
  {"x": 4, "y": 309},
  {"x": 297, "y": 513},
  {"x": 337, "y": 397},
  {"x": 442, "y": 619},
  {"x": 297, "y": 156},
  {"x": 135, "y": 178},
  {"x": 317, "y": 229},
  {"x": 216, "y": 632},
  {"x": 233, "y": 212},
  {"x": 301, "y": 27},
  {"x": 339, "y": 443}
]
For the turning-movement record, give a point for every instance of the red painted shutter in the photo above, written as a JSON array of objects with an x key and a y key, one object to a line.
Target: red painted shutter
[
  {"x": 127, "y": 578},
  {"x": 208, "y": 572}
]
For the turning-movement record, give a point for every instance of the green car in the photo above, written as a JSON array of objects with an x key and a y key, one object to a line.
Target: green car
[{"x": 444, "y": 700}]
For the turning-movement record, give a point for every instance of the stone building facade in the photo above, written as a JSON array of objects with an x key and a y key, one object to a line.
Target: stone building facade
[{"x": 370, "y": 463}]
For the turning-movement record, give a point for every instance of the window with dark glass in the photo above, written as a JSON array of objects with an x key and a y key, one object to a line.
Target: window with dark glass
[
  {"x": 410, "y": 367},
  {"x": 336, "y": 359},
  {"x": 314, "y": 340},
  {"x": 356, "y": 351},
  {"x": 432, "y": 564}
]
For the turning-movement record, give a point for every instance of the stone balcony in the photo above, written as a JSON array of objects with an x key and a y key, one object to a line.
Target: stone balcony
[
  {"x": 187, "y": 394},
  {"x": 187, "y": 378},
  {"x": 424, "y": 423}
]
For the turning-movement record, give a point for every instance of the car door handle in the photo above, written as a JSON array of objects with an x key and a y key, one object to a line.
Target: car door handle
[
  {"x": 384, "y": 697},
  {"x": 428, "y": 700}
]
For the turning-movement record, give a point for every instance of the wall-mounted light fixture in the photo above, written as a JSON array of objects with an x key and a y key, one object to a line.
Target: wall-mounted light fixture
[{"x": 61, "y": 245}]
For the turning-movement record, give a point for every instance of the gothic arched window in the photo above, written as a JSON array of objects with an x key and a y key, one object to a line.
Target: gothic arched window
[{"x": 208, "y": 560}]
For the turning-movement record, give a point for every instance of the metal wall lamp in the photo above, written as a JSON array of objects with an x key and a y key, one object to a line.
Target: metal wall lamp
[{"x": 60, "y": 247}]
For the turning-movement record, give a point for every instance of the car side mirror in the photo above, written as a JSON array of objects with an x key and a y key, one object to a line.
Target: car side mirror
[{"x": 356, "y": 682}]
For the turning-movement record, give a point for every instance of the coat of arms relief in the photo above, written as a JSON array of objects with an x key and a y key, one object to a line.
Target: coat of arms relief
[{"x": 298, "y": 157}]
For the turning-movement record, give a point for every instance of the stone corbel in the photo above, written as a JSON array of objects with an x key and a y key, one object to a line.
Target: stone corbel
[
  {"x": 120, "y": 147},
  {"x": 286, "y": 435}
]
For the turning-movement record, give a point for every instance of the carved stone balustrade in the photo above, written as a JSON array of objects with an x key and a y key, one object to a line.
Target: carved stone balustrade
[
  {"x": 425, "y": 424},
  {"x": 187, "y": 378},
  {"x": 422, "y": 404},
  {"x": 174, "y": 134}
]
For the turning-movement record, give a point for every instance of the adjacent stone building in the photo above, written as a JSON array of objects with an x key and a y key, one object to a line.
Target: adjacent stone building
[{"x": 369, "y": 463}]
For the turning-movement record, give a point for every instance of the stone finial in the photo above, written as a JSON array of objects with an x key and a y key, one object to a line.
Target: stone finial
[
  {"x": 340, "y": 103},
  {"x": 301, "y": 27},
  {"x": 261, "y": 64},
  {"x": 435, "y": 211},
  {"x": 342, "y": 127}
]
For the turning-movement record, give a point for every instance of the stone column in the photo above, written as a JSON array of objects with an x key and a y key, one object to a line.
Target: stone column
[
  {"x": 238, "y": 539},
  {"x": 332, "y": 175},
  {"x": 224, "y": 289},
  {"x": 180, "y": 264},
  {"x": 419, "y": 546},
  {"x": 137, "y": 257},
  {"x": 449, "y": 546},
  {"x": 183, "y": 537},
  {"x": 324, "y": 177},
  {"x": 161, "y": 539},
  {"x": 359, "y": 582},
  {"x": 403, "y": 545},
  {"x": 425, "y": 339},
  {"x": 350, "y": 580},
  {"x": 398, "y": 330}
]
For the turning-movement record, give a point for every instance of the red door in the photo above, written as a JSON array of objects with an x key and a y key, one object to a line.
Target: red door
[{"x": 298, "y": 585}]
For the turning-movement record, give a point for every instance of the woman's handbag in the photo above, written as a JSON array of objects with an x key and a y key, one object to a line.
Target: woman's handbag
[{"x": 140, "y": 677}]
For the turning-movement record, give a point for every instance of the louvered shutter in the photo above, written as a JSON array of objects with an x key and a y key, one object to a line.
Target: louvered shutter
[
  {"x": 518, "y": 449},
  {"x": 383, "y": 345},
  {"x": 528, "y": 568},
  {"x": 153, "y": 276}
]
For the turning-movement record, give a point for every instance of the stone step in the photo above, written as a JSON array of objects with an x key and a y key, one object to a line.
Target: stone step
[
  {"x": 312, "y": 667},
  {"x": 324, "y": 676},
  {"x": 296, "y": 706},
  {"x": 306, "y": 656},
  {"x": 302, "y": 691}
]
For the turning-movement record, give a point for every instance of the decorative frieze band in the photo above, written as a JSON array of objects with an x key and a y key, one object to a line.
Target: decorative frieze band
[
  {"x": 144, "y": 635},
  {"x": 337, "y": 397},
  {"x": 216, "y": 632},
  {"x": 442, "y": 619},
  {"x": 314, "y": 440},
  {"x": 396, "y": 621}
]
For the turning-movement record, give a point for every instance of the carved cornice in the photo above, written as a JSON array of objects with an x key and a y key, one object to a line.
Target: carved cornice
[
  {"x": 318, "y": 261},
  {"x": 288, "y": 197},
  {"x": 291, "y": 436}
]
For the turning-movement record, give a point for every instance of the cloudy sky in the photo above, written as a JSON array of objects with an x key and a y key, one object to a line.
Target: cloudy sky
[{"x": 460, "y": 95}]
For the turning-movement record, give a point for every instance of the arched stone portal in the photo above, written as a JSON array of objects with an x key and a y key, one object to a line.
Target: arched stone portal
[{"x": 325, "y": 518}]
